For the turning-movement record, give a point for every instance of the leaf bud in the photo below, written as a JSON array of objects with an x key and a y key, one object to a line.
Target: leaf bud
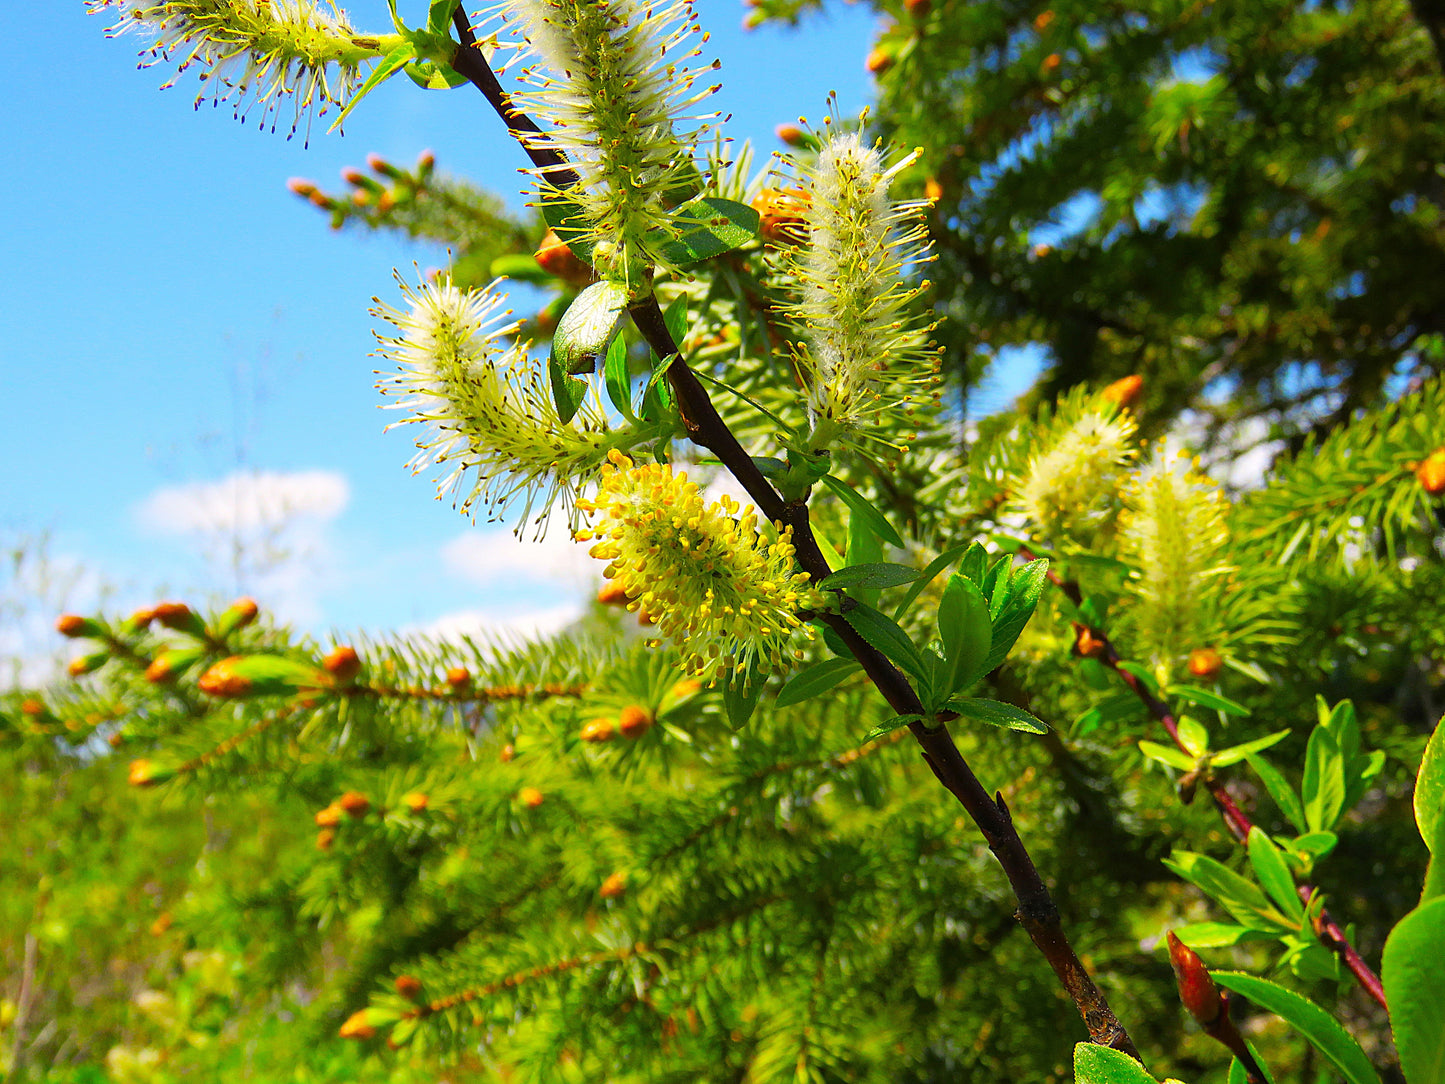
[
  {"x": 87, "y": 664},
  {"x": 1087, "y": 643},
  {"x": 1431, "y": 472},
  {"x": 556, "y": 258},
  {"x": 1051, "y": 62},
  {"x": 612, "y": 594},
  {"x": 459, "y": 677},
  {"x": 530, "y": 797},
  {"x": 238, "y": 615},
  {"x": 162, "y": 923},
  {"x": 614, "y": 886},
  {"x": 598, "y": 730},
  {"x": 179, "y": 616},
  {"x": 799, "y": 138},
  {"x": 508, "y": 753},
  {"x": 141, "y": 619},
  {"x": 171, "y": 663},
  {"x": 408, "y": 986},
  {"x": 879, "y": 60},
  {"x": 358, "y": 1026},
  {"x": 73, "y": 626},
  {"x": 146, "y": 773},
  {"x": 355, "y": 803},
  {"x": 343, "y": 664},
  {"x": 1205, "y": 662},
  {"x": 302, "y": 187},
  {"x": 634, "y": 721},
  {"x": 1124, "y": 392},
  {"x": 259, "y": 675},
  {"x": 325, "y": 838},
  {"x": 416, "y": 801},
  {"x": 1196, "y": 989},
  {"x": 328, "y": 817}
]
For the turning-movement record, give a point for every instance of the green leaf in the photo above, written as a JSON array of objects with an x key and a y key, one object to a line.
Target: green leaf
[
  {"x": 657, "y": 400},
  {"x": 927, "y": 576},
  {"x": 1410, "y": 970},
  {"x": 888, "y": 726},
  {"x": 1021, "y": 596},
  {"x": 1311, "y": 1021},
  {"x": 1200, "y": 935},
  {"x": 439, "y": 15},
  {"x": 1323, "y": 786},
  {"x": 567, "y": 391},
  {"x": 616, "y": 379},
  {"x": 818, "y": 678},
  {"x": 429, "y": 75},
  {"x": 1280, "y": 790},
  {"x": 996, "y": 713},
  {"x": 1430, "y": 787},
  {"x": 864, "y": 548},
  {"x": 1192, "y": 694},
  {"x": 1167, "y": 754},
  {"x": 967, "y": 634},
  {"x": 674, "y": 318},
  {"x": 1193, "y": 736},
  {"x": 883, "y": 574},
  {"x": 1240, "y": 897},
  {"x": 883, "y": 634},
  {"x": 390, "y": 64},
  {"x": 855, "y": 500},
  {"x": 588, "y": 327},
  {"x": 520, "y": 266},
  {"x": 1111, "y": 709},
  {"x": 740, "y": 696},
  {"x": 571, "y": 225},
  {"x": 1142, "y": 673},
  {"x": 1094, "y": 1064},
  {"x": 707, "y": 227},
  {"x": 1273, "y": 873},
  {"x": 1235, "y": 753}
]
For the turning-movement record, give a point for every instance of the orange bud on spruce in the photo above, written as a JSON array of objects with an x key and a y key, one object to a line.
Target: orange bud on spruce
[
  {"x": 325, "y": 838},
  {"x": 73, "y": 626},
  {"x": 87, "y": 664},
  {"x": 1196, "y": 989},
  {"x": 355, "y": 803},
  {"x": 144, "y": 773},
  {"x": 1125, "y": 391},
  {"x": 612, "y": 594},
  {"x": 781, "y": 214},
  {"x": 1430, "y": 472},
  {"x": 918, "y": 9},
  {"x": 32, "y": 707},
  {"x": 302, "y": 187},
  {"x": 408, "y": 986},
  {"x": 415, "y": 801},
  {"x": 178, "y": 616},
  {"x": 1042, "y": 20},
  {"x": 508, "y": 753},
  {"x": 1051, "y": 62},
  {"x": 557, "y": 259},
  {"x": 238, "y": 615},
  {"x": 357, "y": 1026},
  {"x": 161, "y": 924},
  {"x": 530, "y": 797},
  {"x": 1205, "y": 662},
  {"x": 1087, "y": 645},
  {"x": 879, "y": 60},
  {"x": 634, "y": 721},
  {"x": 343, "y": 664},
  {"x": 222, "y": 680},
  {"x": 459, "y": 677},
  {"x": 598, "y": 730},
  {"x": 328, "y": 817},
  {"x": 614, "y": 886}
]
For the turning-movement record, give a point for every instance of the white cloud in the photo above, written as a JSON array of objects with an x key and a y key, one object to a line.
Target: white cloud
[
  {"x": 491, "y": 625},
  {"x": 497, "y": 560},
  {"x": 246, "y": 501}
]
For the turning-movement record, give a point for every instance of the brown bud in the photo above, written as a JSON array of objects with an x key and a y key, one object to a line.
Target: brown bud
[
  {"x": 355, "y": 803},
  {"x": 408, "y": 986},
  {"x": 1431, "y": 472},
  {"x": 879, "y": 60},
  {"x": 329, "y": 817},
  {"x": 302, "y": 187},
  {"x": 791, "y": 134},
  {"x": 1205, "y": 662},
  {"x": 161, "y": 924},
  {"x": 459, "y": 677},
  {"x": 782, "y": 215},
  {"x": 416, "y": 801},
  {"x": 1042, "y": 20},
  {"x": 1125, "y": 392},
  {"x": 173, "y": 615},
  {"x": 918, "y": 9},
  {"x": 530, "y": 797},
  {"x": 325, "y": 838},
  {"x": 72, "y": 625},
  {"x": 221, "y": 679},
  {"x": 508, "y": 753},
  {"x": 634, "y": 721},
  {"x": 1196, "y": 988},
  {"x": 614, "y": 886},
  {"x": 343, "y": 664},
  {"x": 557, "y": 259},
  {"x": 1051, "y": 62},
  {"x": 1087, "y": 643}
]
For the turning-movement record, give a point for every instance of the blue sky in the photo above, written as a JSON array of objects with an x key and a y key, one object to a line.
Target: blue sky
[{"x": 173, "y": 316}]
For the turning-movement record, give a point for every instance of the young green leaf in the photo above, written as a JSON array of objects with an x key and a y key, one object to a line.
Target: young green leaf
[
  {"x": 1193, "y": 736},
  {"x": 1280, "y": 790},
  {"x": 588, "y": 327},
  {"x": 616, "y": 379},
  {"x": 1094, "y": 1064},
  {"x": 883, "y": 634},
  {"x": 1311, "y": 1021},
  {"x": 1167, "y": 754},
  {"x": 571, "y": 225},
  {"x": 856, "y": 501},
  {"x": 1200, "y": 935},
  {"x": 567, "y": 391},
  {"x": 1410, "y": 970},
  {"x": 996, "y": 713},
  {"x": 888, "y": 726},
  {"x": 1240, "y": 897},
  {"x": 740, "y": 697},
  {"x": 1323, "y": 785},
  {"x": 429, "y": 75},
  {"x": 927, "y": 576},
  {"x": 967, "y": 635},
  {"x": 1274, "y": 875},
  {"x": 882, "y": 574},
  {"x": 864, "y": 548},
  {"x": 1430, "y": 787},
  {"x": 818, "y": 678},
  {"x": 1235, "y": 753},
  {"x": 1021, "y": 597},
  {"x": 704, "y": 228},
  {"x": 390, "y": 64},
  {"x": 1192, "y": 694}
]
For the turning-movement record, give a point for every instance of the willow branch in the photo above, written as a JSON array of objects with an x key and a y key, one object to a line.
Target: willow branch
[
  {"x": 1101, "y": 648},
  {"x": 1036, "y": 911}
]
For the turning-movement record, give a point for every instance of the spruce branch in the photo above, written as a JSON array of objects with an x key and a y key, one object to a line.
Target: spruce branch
[
  {"x": 1095, "y": 644},
  {"x": 705, "y": 427}
]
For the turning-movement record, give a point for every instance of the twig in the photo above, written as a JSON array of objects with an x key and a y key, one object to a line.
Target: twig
[{"x": 1101, "y": 648}]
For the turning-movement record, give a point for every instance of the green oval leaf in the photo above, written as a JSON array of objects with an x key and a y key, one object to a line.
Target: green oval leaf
[
  {"x": 617, "y": 380},
  {"x": 1235, "y": 753},
  {"x": 966, "y": 632},
  {"x": 1095, "y": 1064},
  {"x": 818, "y": 678},
  {"x": 1192, "y": 694},
  {"x": 996, "y": 713},
  {"x": 1430, "y": 786},
  {"x": 1280, "y": 790},
  {"x": 855, "y": 500},
  {"x": 588, "y": 327},
  {"x": 1167, "y": 754},
  {"x": 888, "y": 726},
  {"x": 876, "y": 575},
  {"x": 1410, "y": 970},
  {"x": 706, "y": 227},
  {"x": 883, "y": 634},
  {"x": 1274, "y": 875},
  {"x": 1311, "y": 1021}
]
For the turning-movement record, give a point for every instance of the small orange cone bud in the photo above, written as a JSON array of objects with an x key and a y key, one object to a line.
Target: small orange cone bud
[
  {"x": 343, "y": 664},
  {"x": 355, "y": 803},
  {"x": 614, "y": 886},
  {"x": 685, "y": 688},
  {"x": 329, "y": 817},
  {"x": 117, "y": 739},
  {"x": 238, "y": 615},
  {"x": 1051, "y": 62},
  {"x": 144, "y": 773},
  {"x": 357, "y": 1026},
  {"x": 612, "y": 594},
  {"x": 879, "y": 60},
  {"x": 792, "y": 135},
  {"x": 1125, "y": 391},
  {"x": 1040, "y": 251},
  {"x": 598, "y": 730},
  {"x": 325, "y": 838},
  {"x": 178, "y": 616},
  {"x": 88, "y": 664},
  {"x": 223, "y": 680},
  {"x": 1205, "y": 662},
  {"x": 1196, "y": 988},
  {"x": 508, "y": 753},
  {"x": 141, "y": 619},
  {"x": 1042, "y": 20},
  {"x": 1087, "y": 644},
  {"x": 1431, "y": 472},
  {"x": 459, "y": 677},
  {"x": 781, "y": 214},
  {"x": 634, "y": 721},
  {"x": 170, "y": 664},
  {"x": 302, "y": 187},
  {"x": 918, "y": 9},
  {"x": 161, "y": 924},
  {"x": 408, "y": 986},
  {"x": 530, "y": 797},
  {"x": 933, "y": 190},
  {"x": 32, "y": 707},
  {"x": 557, "y": 259},
  {"x": 416, "y": 801},
  {"x": 73, "y": 626}
]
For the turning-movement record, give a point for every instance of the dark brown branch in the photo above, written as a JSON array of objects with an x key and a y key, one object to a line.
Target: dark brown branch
[
  {"x": 1101, "y": 648},
  {"x": 1036, "y": 912}
]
